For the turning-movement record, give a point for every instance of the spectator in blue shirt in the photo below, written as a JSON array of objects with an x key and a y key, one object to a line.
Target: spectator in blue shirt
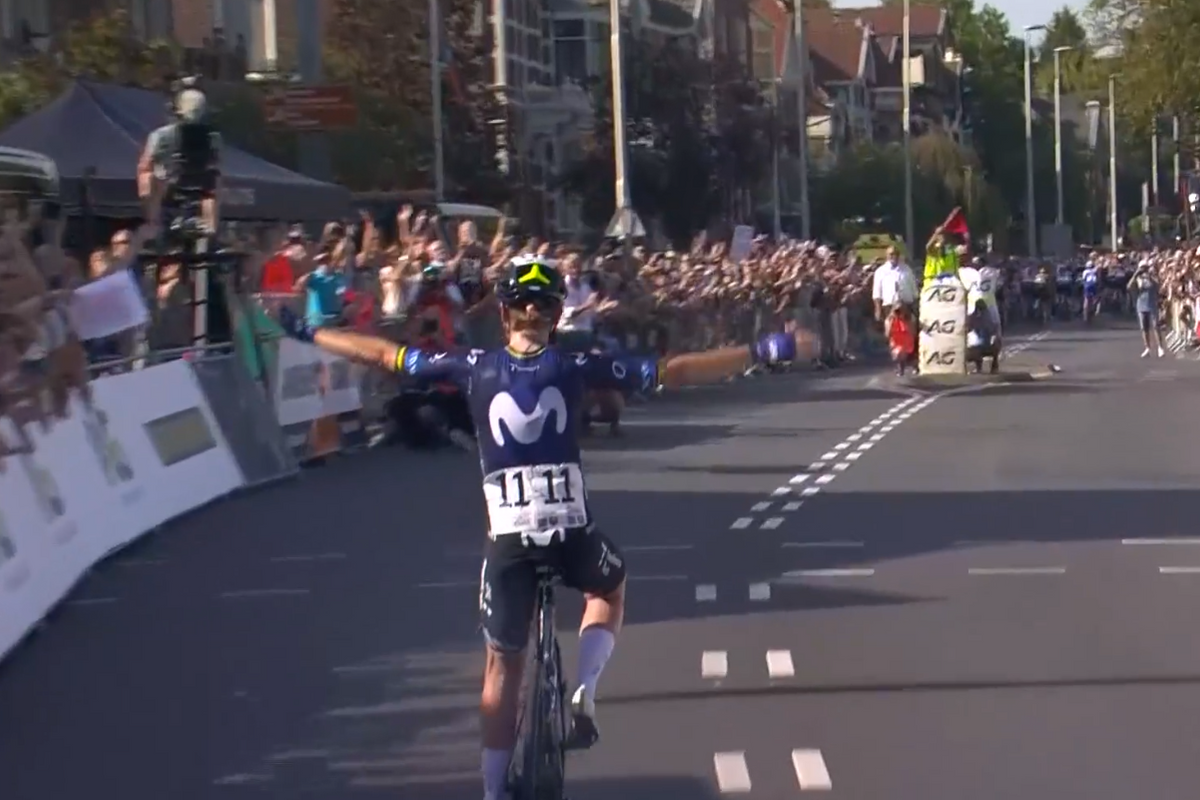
[{"x": 324, "y": 288}]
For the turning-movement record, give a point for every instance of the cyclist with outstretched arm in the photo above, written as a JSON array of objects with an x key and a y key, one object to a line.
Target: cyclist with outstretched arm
[{"x": 527, "y": 400}]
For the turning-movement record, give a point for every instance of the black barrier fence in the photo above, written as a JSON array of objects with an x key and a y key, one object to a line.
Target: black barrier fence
[{"x": 246, "y": 419}]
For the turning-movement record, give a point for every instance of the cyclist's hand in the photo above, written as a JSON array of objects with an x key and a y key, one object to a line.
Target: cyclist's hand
[{"x": 294, "y": 326}]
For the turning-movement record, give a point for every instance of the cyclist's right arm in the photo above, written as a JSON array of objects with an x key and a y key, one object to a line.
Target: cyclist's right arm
[{"x": 378, "y": 352}]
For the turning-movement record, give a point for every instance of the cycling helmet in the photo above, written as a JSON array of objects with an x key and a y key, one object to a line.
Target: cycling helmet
[{"x": 530, "y": 279}]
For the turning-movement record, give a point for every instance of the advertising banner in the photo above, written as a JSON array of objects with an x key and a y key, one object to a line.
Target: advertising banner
[
  {"x": 310, "y": 384},
  {"x": 943, "y": 340},
  {"x": 162, "y": 434},
  {"x": 25, "y": 594}
]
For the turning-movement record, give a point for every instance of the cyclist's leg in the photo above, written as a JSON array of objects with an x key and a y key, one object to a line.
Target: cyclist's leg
[
  {"x": 592, "y": 564},
  {"x": 507, "y": 595}
]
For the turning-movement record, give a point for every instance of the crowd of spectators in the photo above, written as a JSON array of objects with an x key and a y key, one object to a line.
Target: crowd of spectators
[{"x": 422, "y": 281}]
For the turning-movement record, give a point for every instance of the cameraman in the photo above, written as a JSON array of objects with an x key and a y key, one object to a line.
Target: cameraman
[{"x": 181, "y": 161}]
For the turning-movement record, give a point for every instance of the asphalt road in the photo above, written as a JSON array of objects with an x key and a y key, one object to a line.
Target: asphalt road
[{"x": 834, "y": 589}]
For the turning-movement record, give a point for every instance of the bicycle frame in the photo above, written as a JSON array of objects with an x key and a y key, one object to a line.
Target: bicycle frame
[{"x": 540, "y": 769}]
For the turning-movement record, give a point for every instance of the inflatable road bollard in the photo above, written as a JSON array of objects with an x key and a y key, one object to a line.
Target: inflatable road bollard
[{"x": 943, "y": 341}]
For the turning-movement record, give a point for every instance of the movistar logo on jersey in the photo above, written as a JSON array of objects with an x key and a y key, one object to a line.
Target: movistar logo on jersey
[{"x": 526, "y": 428}]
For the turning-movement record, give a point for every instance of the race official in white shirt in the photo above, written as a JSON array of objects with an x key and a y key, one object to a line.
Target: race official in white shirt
[{"x": 893, "y": 283}]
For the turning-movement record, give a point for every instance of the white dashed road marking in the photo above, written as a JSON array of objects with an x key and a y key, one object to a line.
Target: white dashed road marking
[
  {"x": 706, "y": 593},
  {"x": 829, "y": 573},
  {"x": 1023, "y": 345},
  {"x": 742, "y": 522},
  {"x": 772, "y": 523},
  {"x": 779, "y": 664},
  {"x": 1160, "y": 541},
  {"x": 811, "y": 772},
  {"x": 714, "y": 664},
  {"x": 1179, "y": 570},
  {"x": 822, "y": 544},
  {"x": 733, "y": 777},
  {"x": 1016, "y": 570},
  {"x": 760, "y": 592}
]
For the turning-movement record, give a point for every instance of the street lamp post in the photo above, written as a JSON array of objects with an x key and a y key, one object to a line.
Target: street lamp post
[
  {"x": 776, "y": 214},
  {"x": 1175, "y": 165},
  {"x": 1154, "y": 160},
  {"x": 906, "y": 117},
  {"x": 1030, "y": 202},
  {"x": 435, "y": 93},
  {"x": 1058, "y": 145},
  {"x": 798, "y": 34},
  {"x": 625, "y": 224},
  {"x": 1112, "y": 161}
]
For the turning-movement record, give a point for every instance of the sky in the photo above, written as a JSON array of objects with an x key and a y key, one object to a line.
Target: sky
[{"x": 1020, "y": 12}]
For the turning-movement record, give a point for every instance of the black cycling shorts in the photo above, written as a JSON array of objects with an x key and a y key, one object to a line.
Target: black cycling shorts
[{"x": 586, "y": 561}]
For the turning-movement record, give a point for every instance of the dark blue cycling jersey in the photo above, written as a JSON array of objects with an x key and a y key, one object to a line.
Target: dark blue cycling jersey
[{"x": 526, "y": 407}]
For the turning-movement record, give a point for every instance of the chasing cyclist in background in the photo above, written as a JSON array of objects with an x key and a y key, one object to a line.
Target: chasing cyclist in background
[
  {"x": 1091, "y": 291},
  {"x": 526, "y": 399}
]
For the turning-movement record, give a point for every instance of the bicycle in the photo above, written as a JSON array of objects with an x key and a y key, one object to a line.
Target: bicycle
[{"x": 538, "y": 765}]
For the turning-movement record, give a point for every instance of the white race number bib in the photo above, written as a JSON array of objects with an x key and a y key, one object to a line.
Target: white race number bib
[{"x": 536, "y": 499}]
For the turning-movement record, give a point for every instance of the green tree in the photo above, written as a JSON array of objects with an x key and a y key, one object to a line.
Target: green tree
[
  {"x": 1160, "y": 63},
  {"x": 1065, "y": 29},
  {"x": 382, "y": 49},
  {"x": 1109, "y": 22},
  {"x": 102, "y": 48},
  {"x": 695, "y": 132}
]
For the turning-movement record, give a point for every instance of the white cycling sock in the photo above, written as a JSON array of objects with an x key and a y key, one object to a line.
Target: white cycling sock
[
  {"x": 595, "y": 647},
  {"x": 495, "y": 773}
]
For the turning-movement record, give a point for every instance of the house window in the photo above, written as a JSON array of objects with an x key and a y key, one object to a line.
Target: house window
[
  {"x": 570, "y": 50},
  {"x": 762, "y": 40}
]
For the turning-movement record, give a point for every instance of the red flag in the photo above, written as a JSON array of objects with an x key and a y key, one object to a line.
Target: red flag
[
  {"x": 956, "y": 223},
  {"x": 277, "y": 275}
]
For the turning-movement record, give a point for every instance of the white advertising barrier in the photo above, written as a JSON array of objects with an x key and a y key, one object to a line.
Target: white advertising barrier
[
  {"x": 943, "y": 342},
  {"x": 146, "y": 449},
  {"x": 298, "y": 377},
  {"x": 165, "y": 452}
]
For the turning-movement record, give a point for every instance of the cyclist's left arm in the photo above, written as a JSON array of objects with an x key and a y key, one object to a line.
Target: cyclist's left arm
[{"x": 605, "y": 372}]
